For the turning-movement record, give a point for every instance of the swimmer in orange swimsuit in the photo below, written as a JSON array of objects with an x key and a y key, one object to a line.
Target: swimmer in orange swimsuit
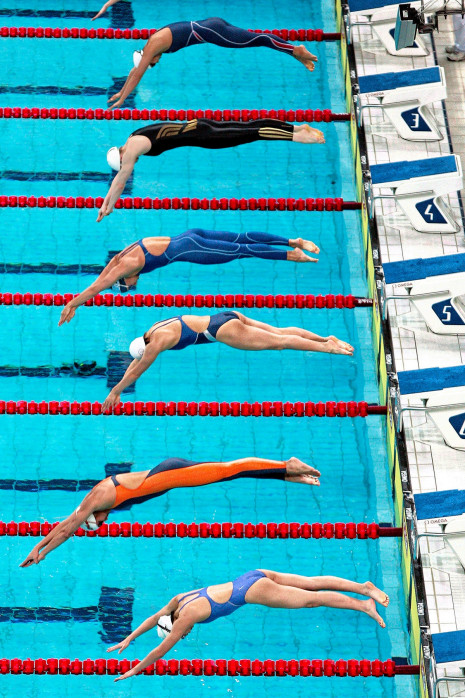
[{"x": 171, "y": 473}]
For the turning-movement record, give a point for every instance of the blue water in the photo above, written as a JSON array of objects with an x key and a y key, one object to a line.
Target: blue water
[{"x": 350, "y": 453}]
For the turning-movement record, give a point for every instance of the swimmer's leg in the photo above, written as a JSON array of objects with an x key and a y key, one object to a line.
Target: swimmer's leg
[
  {"x": 200, "y": 250},
  {"x": 176, "y": 472},
  {"x": 217, "y": 31},
  {"x": 227, "y": 134},
  {"x": 291, "y": 470},
  {"x": 241, "y": 238},
  {"x": 266, "y": 592},
  {"x": 328, "y": 583},
  {"x": 256, "y": 237},
  {"x": 220, "y": 33},
  {"x": 333, "y": 345}
]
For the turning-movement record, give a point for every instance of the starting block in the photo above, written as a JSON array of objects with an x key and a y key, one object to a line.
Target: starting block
[
  {"x": 404, "y": 98},
  {"x": 417, "y": 187}
]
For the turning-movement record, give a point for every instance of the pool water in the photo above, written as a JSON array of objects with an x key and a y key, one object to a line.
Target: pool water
[{"x": 113, "y": 585}]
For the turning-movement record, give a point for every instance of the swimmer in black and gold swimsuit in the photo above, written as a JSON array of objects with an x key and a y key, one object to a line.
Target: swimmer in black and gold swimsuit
[
  {"x": 206, "y": 133},
  {"x": 160, "y": 137}
]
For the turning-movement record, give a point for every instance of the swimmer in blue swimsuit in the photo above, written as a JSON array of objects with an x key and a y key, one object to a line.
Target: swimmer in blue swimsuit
[
  {"x": 263, "y": 587},
  {"x": 197, "y": 246},
  {"x": 231, "y": 328},
  {"x": 213, "y": 30}
]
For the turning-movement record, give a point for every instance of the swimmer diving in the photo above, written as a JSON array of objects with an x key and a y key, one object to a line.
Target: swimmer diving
[
  {"x": 171, "y": 473},
  {"x": 213, "y": 30},
  {"x": 197, "y": 246},
  {"x": 229, "y": 327},
  {"x": 159, "y": 137},
  {"x": 263, "y": 587}
]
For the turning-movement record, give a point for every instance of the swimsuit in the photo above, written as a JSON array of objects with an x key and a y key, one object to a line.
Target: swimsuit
[
  {"x": 215, "y": 30},
  {"x": 178, "y": 472},
  {"x": 201, "y": 246},
  {"x": 189, "y": 337},
  {"x": 206, "y": 133},
  {"x": 241, "y": 586}
]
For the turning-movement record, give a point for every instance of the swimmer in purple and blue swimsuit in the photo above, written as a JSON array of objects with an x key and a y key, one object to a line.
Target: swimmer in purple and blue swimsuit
[
  {"x": 197, "y": 246},
  {"x": 213, "y": 30},
  {"x": 263, "y": 587}
]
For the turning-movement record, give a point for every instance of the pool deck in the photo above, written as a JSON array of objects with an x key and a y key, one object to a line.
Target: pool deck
[{"x": 434, "y": 466}]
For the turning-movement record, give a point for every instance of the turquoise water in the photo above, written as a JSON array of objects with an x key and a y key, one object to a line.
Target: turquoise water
[{"x": 350, "y": 453}]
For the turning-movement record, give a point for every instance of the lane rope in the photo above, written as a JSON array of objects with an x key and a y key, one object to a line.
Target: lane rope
[
  {"x": 272, "y": 530},
  {"x": 212, "y": 667},
  {"x": 244, "y": 115},
  {"x": 183, "y": 203},
  {"x": 83, "y": 33},
  {"x": 193, "y": 409},
  {"x": 191, "y": 300}
]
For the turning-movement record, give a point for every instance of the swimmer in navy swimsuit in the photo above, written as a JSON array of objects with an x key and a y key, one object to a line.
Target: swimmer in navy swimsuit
[
  {"x": 197, "y": 246},
  {"x": 263, "y": 587},
  {"x": 159, "y": 137},
  {"x": 132, "y": 488},
  {"x": 229, "y": 327},
  {"x": 212, "y": 30}
]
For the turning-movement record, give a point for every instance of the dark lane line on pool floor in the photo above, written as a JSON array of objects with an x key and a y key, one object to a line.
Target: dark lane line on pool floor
[
  {"x": 113, "y": 613},
  {"x": 62, "y": 484},
  {"x": 121, "y": 16},
  {"x": 50, "y": 268},
  {"x": 22, "y": 176},
  {"x": 87, "y": 176},
  {"x": 117, "y": 363},
  {"x": 81, "y": 91}
]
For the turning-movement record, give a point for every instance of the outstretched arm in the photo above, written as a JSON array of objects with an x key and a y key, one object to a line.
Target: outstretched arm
[
  {"x": 151, "y": 54},
  {"x": 133, "y": 79},
  {"x": 62, "y": 532},
  {"x": 106, "y": 279},
  {"x": 118, "y": 184},
  {"x": 135, "y": 369},
  {"x": 148, "y": 624},
  {"x": 105, "y": 8},
  {"x": 181, "y": 627}
]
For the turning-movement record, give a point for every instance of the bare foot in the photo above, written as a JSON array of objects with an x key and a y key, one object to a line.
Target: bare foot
[
  {"x": 303, "y": 133},
  {"x": 339, "y": 342},
  {"x": 370, "y": 610},
  {"x": 373, "y": 592},
  {"x": 304, "y": 245},
  {"x": 299, "y": 256},
  {"x": 335, "y": 346},
  {"x": 300, "y": 472},
  {"x": 305, "y": 57}
]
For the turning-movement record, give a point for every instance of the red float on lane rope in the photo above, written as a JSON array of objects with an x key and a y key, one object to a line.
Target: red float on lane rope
[
  {"x": 243, "y": 115},
  {"x": 183, "y": 203},
  {"x": 272, "y": 530},
  {"x": 212, "y": 667},
  {"x": 83, "y": 33},
  {"x": 238, "y": 300},
  {"x": 194, "y": 409}
]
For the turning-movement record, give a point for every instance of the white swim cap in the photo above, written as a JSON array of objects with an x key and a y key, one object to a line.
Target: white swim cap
[
  {"x": 113, "y": 158},
  {"x": 137, "y": 57},
  {"x": 137, "y": 348},
  {"x": 164, "y": 626},
  {"x": 91, "y": 523}
]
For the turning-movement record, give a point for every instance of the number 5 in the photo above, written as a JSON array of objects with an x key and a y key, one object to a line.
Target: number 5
[{"x": 446, "y": 313}]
